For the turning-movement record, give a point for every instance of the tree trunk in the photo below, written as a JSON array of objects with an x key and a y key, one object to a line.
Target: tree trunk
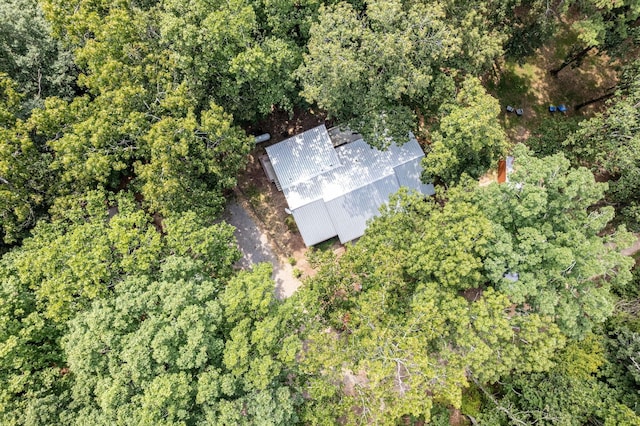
[{"x": 568, "y": 61}]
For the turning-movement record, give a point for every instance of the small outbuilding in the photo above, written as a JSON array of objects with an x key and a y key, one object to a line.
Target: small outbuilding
[{"x": 333, "y": 191}]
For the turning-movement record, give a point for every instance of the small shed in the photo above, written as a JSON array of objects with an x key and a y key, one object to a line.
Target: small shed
[
  {"x": 333, "y": 191},
  {"x": 505, "y": 168}
]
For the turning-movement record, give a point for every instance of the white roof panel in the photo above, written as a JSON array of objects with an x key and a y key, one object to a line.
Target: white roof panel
[
  {"x": 351, "y": 211},
  {"x": 360, "y": 164},
  {"x": 314, "y": 223},
  {"x": 303, "y": 193},
  {"x": 303, "y": 156},
  {"x": 410, "y": 175}
]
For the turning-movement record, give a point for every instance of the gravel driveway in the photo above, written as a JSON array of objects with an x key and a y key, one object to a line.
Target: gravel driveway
[{"x": 255, "y": 247}]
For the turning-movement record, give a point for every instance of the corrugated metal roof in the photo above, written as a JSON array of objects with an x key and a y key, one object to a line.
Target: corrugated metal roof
[
  {"x": 351, "y": 211},
  {"x": 303, "y": 156},
  {"x": 314, "y": 223},
  {"x": 410, "y": 174},
  {"x": 360, "y": 165},
  {"x": 346, "y": 185}
]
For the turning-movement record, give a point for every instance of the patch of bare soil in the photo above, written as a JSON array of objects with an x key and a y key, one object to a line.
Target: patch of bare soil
[
  {"x": 456, "y": 418},
  {"x": 595, "y": 77},
  {"x": 635, "y": 247},
  {"x": 532, "y": 87},
  {"x": 266, "y": 202}
]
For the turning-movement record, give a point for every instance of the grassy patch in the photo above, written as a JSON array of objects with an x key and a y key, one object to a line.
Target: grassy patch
[
  {"x": 326, "y": 245},
  {"x": 520, "y": 87},
  {"x": 297, "y": 273},
  {"x": 563, "y": 41},
  {"x": 514, "y": 85},
  {"x": 251, "y": 191},
  {"x": 259, "y": 201},
  {"x": 529, "y": 85},
  {"x": 291, "y": 223}
]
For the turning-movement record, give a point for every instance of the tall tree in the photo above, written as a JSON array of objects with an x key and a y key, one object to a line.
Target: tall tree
[
  {"x": 609, "y": 142},
  {"x": 470, "y": 287},
  {"x": 181, "y": 350},
  {"x": 219, "y": 54},
  {"x": 370, "y": 70},
  {"x": 38, "y": 63},
  {"x": 82, "y": 256},
  {"x": 191, "y": 162},
  {"x": 483, "y": 27},
  {"x": 374, "y": 65},
  {"x": 27, "y": 186},
  {"x": 143, "y": 119},
  {"x": 603, "y": 25},
  {"x": 548, "y": 253},
  {"x": 405, "y": 311},
  {"x": 569, "y": 394},
  {"x": 469, "y": 138}
]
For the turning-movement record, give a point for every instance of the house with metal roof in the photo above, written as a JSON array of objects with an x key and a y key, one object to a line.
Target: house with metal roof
[{"x": 333, "y": 191}]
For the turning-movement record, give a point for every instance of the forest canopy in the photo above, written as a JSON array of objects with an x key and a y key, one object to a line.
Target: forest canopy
[{"x": 125, "y": 127}]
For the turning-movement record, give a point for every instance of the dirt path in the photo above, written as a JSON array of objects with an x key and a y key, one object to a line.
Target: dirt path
[{"x": 256, "y": 248}]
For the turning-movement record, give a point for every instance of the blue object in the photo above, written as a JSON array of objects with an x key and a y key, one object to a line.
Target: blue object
[
  {"x": 519, "y": 111},
  {"x": 510, "y": 108},
  {"x": 562, "y": 108},
  {"x": 552, "y": 108}
]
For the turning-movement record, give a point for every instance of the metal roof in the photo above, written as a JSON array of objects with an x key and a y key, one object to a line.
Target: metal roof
[
  {"x": 345, "y": 185},
  {"x": 360, "y": 165},
  {"x": 314, "y": 223},
  {"x": 303, "y": 156},
  {"x": 350, "y": 212},
  {"x": 409, "y": 174}
]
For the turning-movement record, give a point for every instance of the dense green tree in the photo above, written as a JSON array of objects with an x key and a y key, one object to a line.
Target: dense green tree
[
  {"x": 483, "y": 27},
  {"x": 375, "y": 65},
  {"x": 142, "y": 119},
  {"x": 609, "y": 26},
  {"x": 37, "y": 62},
  {"x": 406, "y": 311},
  {"x": 263, "y": 79},
  {"x": 27, "y": 186},
  {"x": 97, "y": 145},
  {"x": 569, "y": 394},
  {"x": 608, "y": 143},
  {"x": 177, "y": 156},
  {"x": 547, "y": 232},
  {"x": 473, "y": 286},
  {"x": 16, "y": 160},
  {"x": 127, "y": 75},
  {"x": 469, "y": 138},
  {"x": 192, "y": 161},
  {"x": 370, "y": 70},
  {"x": 34, "y": 386},
  {"x": 220, "y": 56},
  {"x": 181, "y": 350},
  {"x": 64, "y": 271},
  {"x": 621, "y": 341},
  {"x": 288, "y": 19},
  {"x": 548, "y": 138},
  {"x": 81, "y": 256},
  {"x": 490, "y": 26}
]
